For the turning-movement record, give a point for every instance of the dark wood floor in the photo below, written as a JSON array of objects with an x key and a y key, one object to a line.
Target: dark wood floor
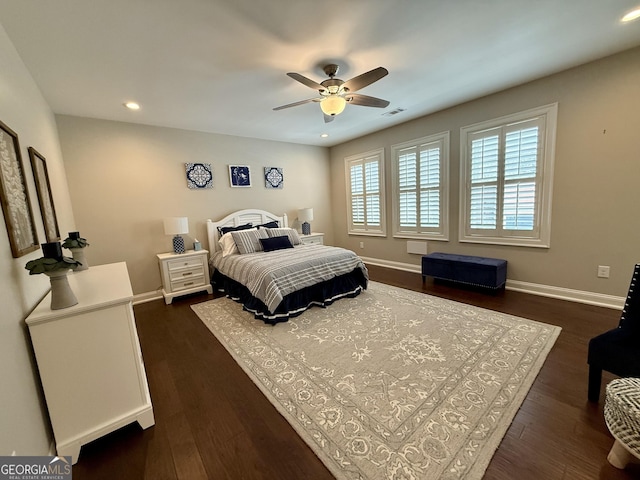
[{"x": 213, "y": 423}]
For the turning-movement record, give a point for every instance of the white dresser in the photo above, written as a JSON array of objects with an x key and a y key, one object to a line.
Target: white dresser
[
  {"x": 90, "y": 361},
  {"x": 184, "y": 273}
]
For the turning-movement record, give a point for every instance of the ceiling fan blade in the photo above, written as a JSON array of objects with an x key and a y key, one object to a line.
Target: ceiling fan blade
[
  {"x": 295, "y": 104},
  {"x": 328, "y": 118},
  {"x": 307, "y": 81},
  {"x": 366, "y": 101},
  {"x": 361, "y": 81}
]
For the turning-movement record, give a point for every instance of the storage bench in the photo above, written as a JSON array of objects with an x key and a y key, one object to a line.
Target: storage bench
[{"x": 478, "y": 271}]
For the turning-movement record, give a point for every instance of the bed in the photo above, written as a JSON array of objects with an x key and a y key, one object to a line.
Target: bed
[{"x": 258, "y": 261}]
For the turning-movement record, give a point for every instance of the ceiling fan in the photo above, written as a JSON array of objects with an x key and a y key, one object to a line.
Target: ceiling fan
[{"x": 336, "y": 93}]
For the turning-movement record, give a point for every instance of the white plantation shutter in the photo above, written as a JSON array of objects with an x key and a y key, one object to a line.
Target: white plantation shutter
[
  {"x": 365, "y": 193},
  {"x": 484, "y": 180},
  {"x": 520, "y": 173},
  {"x": 407, "y": 184},
  {"x": 372, "y": 188},
  {"x": 430, "y": 186},
  {"x": 421, "y": 187},
  {"x": 506, "y": 194},
  {"x": 357, "y": 194}
]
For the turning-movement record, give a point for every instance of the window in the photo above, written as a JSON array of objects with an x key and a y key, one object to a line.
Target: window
[
  {"x": 421, "y": 188},
  {"x": 365, "y": 193},
  {"x": 506, "y": 179}
]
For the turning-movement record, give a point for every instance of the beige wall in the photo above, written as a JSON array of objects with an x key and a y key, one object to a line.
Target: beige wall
[
  {"x": 125, "y": 178},
  {"x": 597, "y": 170},
  {"x": 24, "y": 425}
]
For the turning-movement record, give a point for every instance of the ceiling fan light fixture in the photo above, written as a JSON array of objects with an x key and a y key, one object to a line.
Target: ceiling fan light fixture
[
  {"x": 333, "y": 105},
  {"x": 633, "y": 15}
]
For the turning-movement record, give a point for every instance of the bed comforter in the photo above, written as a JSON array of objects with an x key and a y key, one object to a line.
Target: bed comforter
[{"x": 270, "y": 276}]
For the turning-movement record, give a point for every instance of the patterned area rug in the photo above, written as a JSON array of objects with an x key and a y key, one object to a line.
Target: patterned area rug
[{"x": 393, "y": 384}]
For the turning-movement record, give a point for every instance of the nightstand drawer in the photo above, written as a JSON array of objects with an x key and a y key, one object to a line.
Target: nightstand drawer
[
  {"x": 314, "y": 238},
  {"x": 313, "y": 241},
  {"x": 178, "y": 274},
  {"x": 187, "y": 262},
  {"x": 187, "y": 283}
]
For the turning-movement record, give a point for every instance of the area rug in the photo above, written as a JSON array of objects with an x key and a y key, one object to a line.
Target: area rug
[{"x": 392, "y": 384}]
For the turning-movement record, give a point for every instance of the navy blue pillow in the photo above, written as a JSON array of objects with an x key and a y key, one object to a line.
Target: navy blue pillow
[
  {"x": 223, "y": 230},
  {"x": 275, "y": 243},
  {"x": 273, "y": 224}
]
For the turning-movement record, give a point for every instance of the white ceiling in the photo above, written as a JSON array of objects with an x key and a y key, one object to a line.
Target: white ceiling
[{"x": 219, "y": 65}]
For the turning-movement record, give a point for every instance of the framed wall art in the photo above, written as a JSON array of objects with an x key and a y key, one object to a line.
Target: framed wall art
[
  {"x": 239, "y": 176},
  {"x": 14, "y": 196},
  {"x": 199, "y": 175},
  {"x": 273, "y": 177},
  {"x": 45, "y": 197}
]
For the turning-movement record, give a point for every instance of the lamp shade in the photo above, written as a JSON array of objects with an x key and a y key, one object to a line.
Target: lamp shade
[
  {"x": 333, "y": 105},
  {"x": 305, "y": 215},
  {"x": 176, "y": 225}
]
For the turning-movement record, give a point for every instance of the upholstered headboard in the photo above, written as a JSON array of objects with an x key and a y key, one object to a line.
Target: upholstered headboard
[{"x": 241, "y": 217}]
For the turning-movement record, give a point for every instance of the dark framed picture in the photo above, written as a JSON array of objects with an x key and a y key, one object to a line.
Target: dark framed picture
[
  {"x": 239, "y": 176},
  {"x": 273, "y": 178},
  {"x": 14, "y": 196},
  {"x": 45, "y": 197},
  {"x": 199, "y": 175}
]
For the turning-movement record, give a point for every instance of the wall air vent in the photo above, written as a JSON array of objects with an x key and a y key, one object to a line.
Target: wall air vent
[{"x": 393, "y": 112}]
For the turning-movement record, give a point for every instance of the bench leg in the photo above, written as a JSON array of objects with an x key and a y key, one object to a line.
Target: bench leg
[{"x": 595, "y": 379}]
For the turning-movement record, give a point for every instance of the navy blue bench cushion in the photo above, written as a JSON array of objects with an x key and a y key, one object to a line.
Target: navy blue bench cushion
[{"x": 481, "y": 271}]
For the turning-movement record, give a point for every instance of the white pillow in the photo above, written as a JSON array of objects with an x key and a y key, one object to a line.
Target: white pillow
[{"x": 228, "y": 245}]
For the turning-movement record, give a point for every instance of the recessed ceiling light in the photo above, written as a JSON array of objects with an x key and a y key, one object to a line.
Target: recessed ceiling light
[
  {"x": 324, "y": 135},
  {"x": 132, "y": 106},
  {"x": 632, "y": 15}
]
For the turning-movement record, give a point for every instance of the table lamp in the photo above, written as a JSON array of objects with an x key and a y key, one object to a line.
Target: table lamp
[
  {"x": 177, "y": 226},
  {"x": 305, "y": 215}
]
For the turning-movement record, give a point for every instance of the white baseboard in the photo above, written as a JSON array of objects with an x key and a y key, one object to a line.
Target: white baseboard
[
  {"x": 147, "y": 297},
  {"x": 579, "y": 296},
  {"x": 406, "y": 267}
]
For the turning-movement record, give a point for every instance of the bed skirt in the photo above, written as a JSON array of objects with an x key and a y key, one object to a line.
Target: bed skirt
[{"x": 321, "y": 295}]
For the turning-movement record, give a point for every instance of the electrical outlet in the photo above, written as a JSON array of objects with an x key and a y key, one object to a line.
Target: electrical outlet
[
  {"x": 361, "y": 244},
  {"x": 603, "y": 271}
]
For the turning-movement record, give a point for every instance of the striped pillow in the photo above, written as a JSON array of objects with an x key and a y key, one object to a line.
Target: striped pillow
[
  {"x": 289, "y": 232},
  {"x": 248, "y": 241}
]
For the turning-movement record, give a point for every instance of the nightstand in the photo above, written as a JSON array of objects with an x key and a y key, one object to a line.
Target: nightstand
[
  {"x": 184, "y": 273},
  {"x": 314, "y": 238}
]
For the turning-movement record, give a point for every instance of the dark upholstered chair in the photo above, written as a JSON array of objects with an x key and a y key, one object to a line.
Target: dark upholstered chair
[{"x": 618, "y": 350}]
